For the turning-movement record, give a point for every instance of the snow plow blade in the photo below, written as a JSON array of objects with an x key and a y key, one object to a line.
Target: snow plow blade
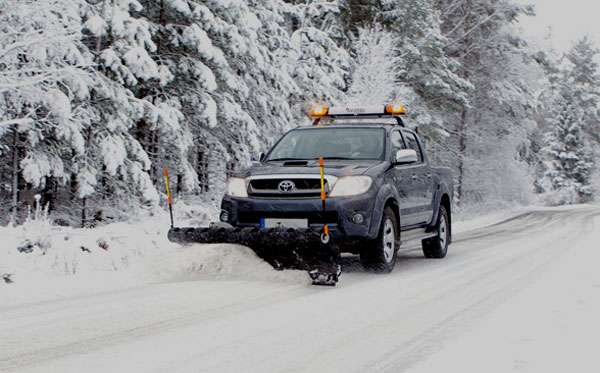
[{"x": 283, "y": 248}]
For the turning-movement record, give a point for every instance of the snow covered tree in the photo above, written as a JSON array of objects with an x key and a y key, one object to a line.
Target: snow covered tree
[
  {"x": 569, "y": 166},
  {"x": 586, "y": 80},
  {"x": 571, "y": 141},
  {"x": 426, "y": 79},
  {"x": 43, "y": 70},
  {"x": 233, "y": 75},
  {"x": 319, "y": 63},
  {"x": 359, "y": 14},
  {"x": 427, "y": 68},
  {"x": 492, "y": 133},
  {"x": 70, "y": 122},
  {"x": 126, "y": 53},
  {"x": 374, "y": 79}
]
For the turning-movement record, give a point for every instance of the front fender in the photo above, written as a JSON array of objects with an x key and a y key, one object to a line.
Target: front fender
[{"x": 384, "y": 194}]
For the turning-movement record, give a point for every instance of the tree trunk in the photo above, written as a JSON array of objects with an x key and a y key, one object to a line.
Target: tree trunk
[
  {"x": 84, "y": 217},
  {"x": 462, "y": 147},
  {"x": 462, "y": 127},
  {"x": 178, "y": 189},
  {"x": 73, "y": 186},
  {"x": 15, "y": 178},
  {"x": 83, "y": 212},
  {"x": 49, "y": 194}
]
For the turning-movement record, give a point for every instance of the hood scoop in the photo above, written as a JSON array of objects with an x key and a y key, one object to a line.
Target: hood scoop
[{"x": 295, "y": 163}]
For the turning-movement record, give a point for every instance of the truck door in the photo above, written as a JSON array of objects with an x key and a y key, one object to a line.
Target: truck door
[
  {"x": 421, "y": 174},
  {"x": 402, "y": 175}
]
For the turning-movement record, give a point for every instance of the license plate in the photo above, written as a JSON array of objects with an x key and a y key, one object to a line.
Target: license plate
[{"x": 283, "y": 223}]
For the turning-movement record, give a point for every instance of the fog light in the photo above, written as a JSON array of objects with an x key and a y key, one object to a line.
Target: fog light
[
  {"x": 358, "y": 218},
  {"x": 224, "y": 216}
]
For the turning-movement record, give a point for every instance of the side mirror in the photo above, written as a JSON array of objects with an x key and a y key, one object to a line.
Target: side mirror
[{"x": 406, "y": 156}]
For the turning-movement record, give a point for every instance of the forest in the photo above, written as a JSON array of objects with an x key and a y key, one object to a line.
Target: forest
[{"x": 98, "y": 97}]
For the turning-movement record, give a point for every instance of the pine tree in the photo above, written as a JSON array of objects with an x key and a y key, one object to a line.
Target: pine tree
[
  {"x": 584, "y": 75},
  {"x": 44, "y": 71},
  {"x": 570, "y": 141}
]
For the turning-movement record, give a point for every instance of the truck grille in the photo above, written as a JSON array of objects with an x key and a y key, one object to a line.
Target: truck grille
[{"x": 281, "y": 188}]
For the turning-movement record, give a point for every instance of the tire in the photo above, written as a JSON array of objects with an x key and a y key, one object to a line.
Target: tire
[
  {"x": 380, "y": 255},
  {"x": 437, "y": 247}
]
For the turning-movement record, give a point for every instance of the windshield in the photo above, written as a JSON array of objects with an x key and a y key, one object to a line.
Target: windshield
[{"x": 330, "y": 143}]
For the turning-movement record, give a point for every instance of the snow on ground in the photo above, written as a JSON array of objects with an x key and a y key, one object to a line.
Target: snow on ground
[
  {"x": 551, "y": 325},
  {"x": 517, "y": 295},
  {"x": 468, "y": 220},
  {"x": 42, "y": 261}
]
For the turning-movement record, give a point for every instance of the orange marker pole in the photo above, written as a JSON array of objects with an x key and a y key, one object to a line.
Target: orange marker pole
[
  {"x": 169, "y": 196},
  {"x": 325, "y": 228}
]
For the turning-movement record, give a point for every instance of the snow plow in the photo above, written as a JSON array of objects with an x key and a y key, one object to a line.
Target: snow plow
[{"x": 283, "y": 248}]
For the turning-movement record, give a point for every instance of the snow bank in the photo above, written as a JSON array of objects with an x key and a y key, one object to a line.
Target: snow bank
[
  {"x": 41, "y": 261},
  {"x": 39, "y": 247},
  {"x": 214, "y": 262}
]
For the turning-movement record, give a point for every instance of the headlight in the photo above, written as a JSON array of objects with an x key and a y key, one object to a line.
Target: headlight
[
  {"x": 351, "y": 186},
  {"x": 236, "y": 187}
]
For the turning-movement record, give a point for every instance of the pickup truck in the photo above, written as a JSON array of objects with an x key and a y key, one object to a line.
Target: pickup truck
[{"x": 379, "y": 188}]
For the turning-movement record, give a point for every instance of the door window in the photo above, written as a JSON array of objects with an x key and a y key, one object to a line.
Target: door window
[
  {"x": 414, "y": 144},
  {"x": 397, "y": 143}
]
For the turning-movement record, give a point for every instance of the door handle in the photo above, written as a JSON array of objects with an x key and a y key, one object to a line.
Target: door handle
[
  {"x": 429, "y": 176},
  {"x": 414, "y": 177}
]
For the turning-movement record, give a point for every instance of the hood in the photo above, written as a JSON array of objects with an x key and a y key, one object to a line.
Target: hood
[{"x": 331, "y": 167}]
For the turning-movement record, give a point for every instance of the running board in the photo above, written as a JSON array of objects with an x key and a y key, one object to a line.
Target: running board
[{"x": 416, "y": 234}]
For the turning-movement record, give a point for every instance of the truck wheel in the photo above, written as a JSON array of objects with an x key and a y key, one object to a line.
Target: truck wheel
[
  {"x": 437, "y": 247},
  {"x": 380, "y": 255}
]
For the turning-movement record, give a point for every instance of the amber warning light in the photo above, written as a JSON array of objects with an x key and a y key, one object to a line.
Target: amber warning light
[
  {"x": 394, "y": 109},
  {"x": 319, "y": 111}
]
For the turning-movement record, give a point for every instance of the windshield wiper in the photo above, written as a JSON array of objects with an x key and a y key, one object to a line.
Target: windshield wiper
[
  {"x": 285, "y": 159},
  {"x": 337, "y": 158}
]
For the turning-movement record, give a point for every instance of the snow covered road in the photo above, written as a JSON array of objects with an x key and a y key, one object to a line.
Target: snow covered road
[{"x": 521, "y": 295}]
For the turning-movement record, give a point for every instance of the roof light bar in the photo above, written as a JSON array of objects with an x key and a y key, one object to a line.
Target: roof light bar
[{"x": 372, "y": 111}]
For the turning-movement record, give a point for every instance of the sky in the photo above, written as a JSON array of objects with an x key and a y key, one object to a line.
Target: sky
[{"x": 570, "y": 21}]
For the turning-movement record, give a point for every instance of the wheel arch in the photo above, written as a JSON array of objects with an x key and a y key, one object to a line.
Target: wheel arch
[{"x": 387, "y": 196}]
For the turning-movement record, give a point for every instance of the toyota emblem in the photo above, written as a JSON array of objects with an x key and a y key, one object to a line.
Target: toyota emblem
[{"x": 286, "y": 186}]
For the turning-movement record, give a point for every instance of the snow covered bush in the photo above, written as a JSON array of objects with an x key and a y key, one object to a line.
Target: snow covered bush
[{"x": 38, "y": 249}]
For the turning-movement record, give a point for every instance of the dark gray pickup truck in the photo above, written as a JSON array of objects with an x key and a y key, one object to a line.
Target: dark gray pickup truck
[{"x": 378, "y": 186}]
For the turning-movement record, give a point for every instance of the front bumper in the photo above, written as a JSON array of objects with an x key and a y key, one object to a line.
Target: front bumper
[{"x": 338, "y": 215}]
